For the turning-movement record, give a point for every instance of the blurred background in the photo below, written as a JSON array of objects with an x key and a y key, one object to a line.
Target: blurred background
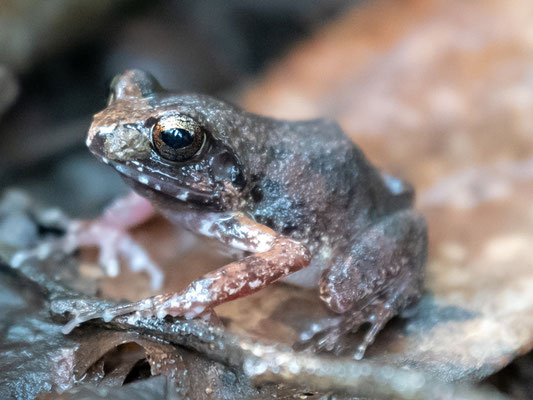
[{"x": 439, "y": 92}]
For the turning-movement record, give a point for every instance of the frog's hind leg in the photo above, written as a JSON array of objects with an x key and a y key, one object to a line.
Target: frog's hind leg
[
  {"x": 377, "y": 313},
  {"x": 327, "y": 335},
  {"x": 377, "y": 277}
]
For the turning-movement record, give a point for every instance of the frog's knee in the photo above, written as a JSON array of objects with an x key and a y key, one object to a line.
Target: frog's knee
[
  {"x": 339, "y": 287},
  {"x": 334, "y": 299}
]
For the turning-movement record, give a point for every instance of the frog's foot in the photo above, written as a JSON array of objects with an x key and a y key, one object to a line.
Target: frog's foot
[
  {"x": 157, "y": 306},
  {"x": 327, "y": 334},
  {"x": 112, "y": 242},
  {"x": 140, "y": 308}
]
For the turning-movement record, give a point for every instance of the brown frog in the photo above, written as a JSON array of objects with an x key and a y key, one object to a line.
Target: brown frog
[{"x": 291, "y": 194}]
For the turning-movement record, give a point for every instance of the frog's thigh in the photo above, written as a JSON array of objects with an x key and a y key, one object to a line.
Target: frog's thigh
[{"x": 384, "y": 262}]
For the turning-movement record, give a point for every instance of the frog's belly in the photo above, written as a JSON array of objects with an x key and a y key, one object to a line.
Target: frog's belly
[{"x": 307, "y": 277}]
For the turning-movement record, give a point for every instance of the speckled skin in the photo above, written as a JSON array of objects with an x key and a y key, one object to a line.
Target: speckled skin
[{"x": 304, "y": 181}]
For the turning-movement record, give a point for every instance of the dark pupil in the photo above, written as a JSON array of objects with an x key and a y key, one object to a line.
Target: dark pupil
[{"x": 177, "y": 138}]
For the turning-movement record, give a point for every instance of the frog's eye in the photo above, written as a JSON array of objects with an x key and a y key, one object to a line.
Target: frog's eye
[{"x": 177, "y": 138}]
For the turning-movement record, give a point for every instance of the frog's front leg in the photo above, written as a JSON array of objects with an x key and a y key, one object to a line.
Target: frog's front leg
[
  {"x": 374, "y": 279},
  {"x": 275, "y": 256},
  {"x": 109, "y": 234}
]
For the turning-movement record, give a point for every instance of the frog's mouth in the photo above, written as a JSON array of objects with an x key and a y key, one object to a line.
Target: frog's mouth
[{"x": 152, "y": 183}]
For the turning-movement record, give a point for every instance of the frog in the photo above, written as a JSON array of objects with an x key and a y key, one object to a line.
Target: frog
[{"x": 298, "y": 199}]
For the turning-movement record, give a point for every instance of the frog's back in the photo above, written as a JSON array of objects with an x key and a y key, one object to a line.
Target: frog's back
[{"x": 314, "y": 183}]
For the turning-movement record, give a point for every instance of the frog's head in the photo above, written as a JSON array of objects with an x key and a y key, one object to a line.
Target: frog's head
[{"x": 169, "y": 145}]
